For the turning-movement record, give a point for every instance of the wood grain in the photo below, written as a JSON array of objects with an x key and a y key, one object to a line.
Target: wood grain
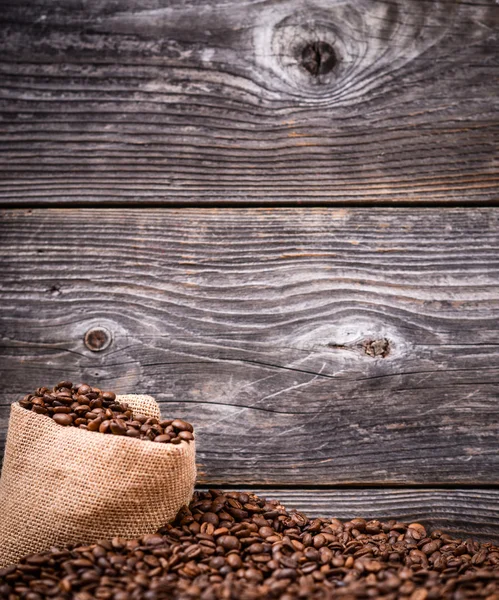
[
  {"x": 308, "y": 346},
  {"x": 461, "y": 512},
  {"x": 168, "y": 102}
]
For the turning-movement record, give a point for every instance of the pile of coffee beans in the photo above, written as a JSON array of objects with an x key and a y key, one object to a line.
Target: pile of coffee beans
[
  {"x": 237, "y": 546},
  {"x": 92, "y": 409}
]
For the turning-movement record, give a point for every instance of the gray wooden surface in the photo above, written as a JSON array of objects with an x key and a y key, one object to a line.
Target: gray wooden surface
[
  {"x": 163, "y": 101},
  {"x": 307, "y": 346},
  {"x": 341, "y": 359}
]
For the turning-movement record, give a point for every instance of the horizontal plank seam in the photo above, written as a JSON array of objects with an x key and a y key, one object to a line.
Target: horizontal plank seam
[
  {"x": 70, "y": 205},
  {"x": 435, "y": 486}
]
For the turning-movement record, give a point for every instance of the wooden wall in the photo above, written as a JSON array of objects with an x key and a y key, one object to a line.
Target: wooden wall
[{"x": 281, "y": 220}]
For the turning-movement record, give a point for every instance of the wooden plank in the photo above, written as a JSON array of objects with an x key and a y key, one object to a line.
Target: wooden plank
[
  {"x": 166, "y": 101},
  {"x": 461, "y": 512},
  {"x": 308, "y": 346}
]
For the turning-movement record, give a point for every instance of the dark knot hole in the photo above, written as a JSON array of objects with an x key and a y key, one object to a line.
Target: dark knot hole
[
  {"x": 98, "y": 339},
  {"x": 318, "y": 58}
]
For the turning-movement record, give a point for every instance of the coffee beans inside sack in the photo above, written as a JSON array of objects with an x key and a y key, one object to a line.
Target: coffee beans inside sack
[
  {"x": 92, "y": 409},
  {"x": 237, "y": 546},
  {"x": 64, "y": 482}
]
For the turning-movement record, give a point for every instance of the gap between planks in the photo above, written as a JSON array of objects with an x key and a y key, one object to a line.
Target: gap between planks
[{"x": 239, "y": 204}]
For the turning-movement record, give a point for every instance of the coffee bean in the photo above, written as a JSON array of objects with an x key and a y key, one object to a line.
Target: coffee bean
[
  {"x": 311, "y": 554},
  {"x": 82, "y": 399},
  {"x": 256, "y": 548},
  {"x": 62, "y": 409},
  {"x": 229, "y": 542},
  {"x": 319, "y": 541},
  {"x": 326, "y": 557},
  {"x": 182, "y": 425},
  {"x": 105, "y": 426},
  {"x": 211, "y": 518},
  {"x": 134, "y": 433},
  {"x": 63, "y": 419},
  {"x": 94, "y": 424},
  {"x": 91, "y": 409},
  {"x": 152, "y": 539},
  {"x": 84, "y": 389},
  {"x": 162, "y": 438},
  {"x": 417, "y": 531},
  {"x": 430, "y": 547},
  {"x": 234, "y": 561},
  {"x": 117, "y": 427},
  {"x": 359, "y": 524},
  {"x": 266, "y": 531},
  {"x": 64, "y": 384}
]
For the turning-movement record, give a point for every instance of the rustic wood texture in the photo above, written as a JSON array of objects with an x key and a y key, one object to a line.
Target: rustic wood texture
[
  {"x": 308, "y": 346},
  {"x": 166, "y": 101},
  {"x": 462, "y": 512}
]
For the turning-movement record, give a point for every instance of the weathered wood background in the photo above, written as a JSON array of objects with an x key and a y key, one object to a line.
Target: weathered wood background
[
  {"x": 168, "y": 101},
  {"x": 342, "y": 356}
]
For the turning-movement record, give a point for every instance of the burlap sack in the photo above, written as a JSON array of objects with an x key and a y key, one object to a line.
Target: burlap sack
[{"x": 63, "y": 485}]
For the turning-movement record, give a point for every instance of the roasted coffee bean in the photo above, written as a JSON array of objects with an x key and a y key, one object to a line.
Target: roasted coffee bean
[
  {"x": 84, "y": 389},
  {"x": 319, "y": 541},
  {"x": 64, "y": 384},
  {"x": 210, "y": 517},
  {"x": 265, "y": 553},
  {"x": 229, "y": 542},
  {"x": 92, "y": 409},
  {"x": 162, "y": 438},
  {"x": 83, "y": 400},
  {"x": 105, "y": 426},
  {"x": 181, "y": 425},
  {"x": 117, "y": 427},
  {"x": 63, "y": 419},
  {"x": 416, "y": 531},
  {"x": 133, "y": 433}
]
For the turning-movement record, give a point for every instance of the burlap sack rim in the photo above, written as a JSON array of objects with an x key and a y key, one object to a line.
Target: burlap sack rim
[{"x": 171, "y": 448}]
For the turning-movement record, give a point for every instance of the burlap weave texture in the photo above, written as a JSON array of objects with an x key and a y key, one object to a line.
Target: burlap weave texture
[{"x": 62, "y": 485}]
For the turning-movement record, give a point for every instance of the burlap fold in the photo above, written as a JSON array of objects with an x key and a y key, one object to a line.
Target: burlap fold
[{"x": 62, "y": 485}]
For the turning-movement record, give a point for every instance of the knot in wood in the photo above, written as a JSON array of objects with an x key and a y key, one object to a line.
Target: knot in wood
[
  {"x": 97, "y": 339},
  {"x": 377, "y": 348},
  {"x": 318, "y": 58}
]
